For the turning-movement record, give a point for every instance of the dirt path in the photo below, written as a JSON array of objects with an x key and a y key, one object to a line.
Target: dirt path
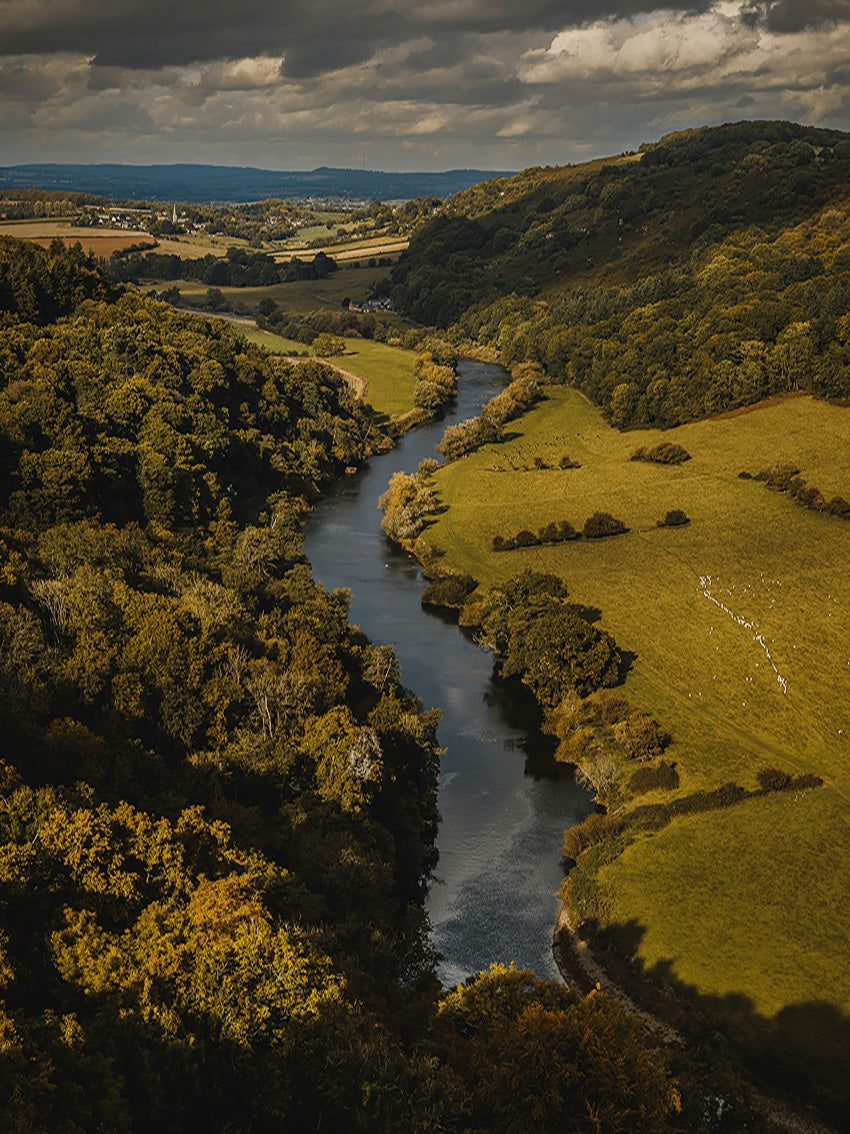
[
  {"x": 577, "y": 964},
  {"x": 358, "y": 385}
]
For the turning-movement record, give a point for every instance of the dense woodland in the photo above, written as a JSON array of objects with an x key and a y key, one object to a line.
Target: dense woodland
[
  {"x": 218, "y": 803},
  {"x": 239, "y": 268},
  {"x": 707, "y": 272}
]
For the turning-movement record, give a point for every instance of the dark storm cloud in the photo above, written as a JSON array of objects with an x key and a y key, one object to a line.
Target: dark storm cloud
[
  {"x": 795, "y": 15},
  {"x": 316, "y": 36},
  {"x": 416, "y": 84}
]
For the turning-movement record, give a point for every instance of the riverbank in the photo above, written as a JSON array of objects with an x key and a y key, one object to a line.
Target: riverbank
[{"x": 581, "y": 967}]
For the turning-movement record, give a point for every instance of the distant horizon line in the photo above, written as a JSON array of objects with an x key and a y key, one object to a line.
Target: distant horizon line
[{"x": 256, "y": 168}]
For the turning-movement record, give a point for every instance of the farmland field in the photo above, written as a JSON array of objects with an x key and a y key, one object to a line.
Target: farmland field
[
  {"x": 97, "y": 241},
  {"x": 739, "y": 623},
  {"x": 299, "y": 296},
  {"x": 359, "y": 250}
]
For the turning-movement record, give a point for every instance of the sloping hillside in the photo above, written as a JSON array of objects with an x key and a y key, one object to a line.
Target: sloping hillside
[{"x": 704, "y": 273}]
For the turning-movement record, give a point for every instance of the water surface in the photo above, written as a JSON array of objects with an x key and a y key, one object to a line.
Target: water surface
[{"x": 504, "y": 802}]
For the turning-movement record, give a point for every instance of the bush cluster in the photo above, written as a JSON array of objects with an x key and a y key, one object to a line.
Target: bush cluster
[
  {"x": 778, "y": 476},
  {"x": 595, "y": 828},
  {"x": 597, "y": 526},
  {"x": 675, "y": 518},
  {"x": 664, "y": 453},
  {"x": 785, "y": 477},
  {"x": 602, "y": 524},
  {"x": 640, "y": 736},
  {"x": 554, "y": 532},
  {"x": 449, "y": 590}
]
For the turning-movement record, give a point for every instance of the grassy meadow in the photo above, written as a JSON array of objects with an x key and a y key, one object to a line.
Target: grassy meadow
[
  {"x": 739, "y": 623},
  {"x": 386, "y": 370}
]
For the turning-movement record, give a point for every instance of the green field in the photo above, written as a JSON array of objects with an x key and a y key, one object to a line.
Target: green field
[
  {"x": 277, "y": 344},
  {"x": 300, "y": 296},
  {"x": 386, "y": 370},
  {"x": 753, "y": 901}
]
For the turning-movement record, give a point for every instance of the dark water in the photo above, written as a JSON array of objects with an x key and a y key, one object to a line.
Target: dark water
[{"x": 503, "y": 800}]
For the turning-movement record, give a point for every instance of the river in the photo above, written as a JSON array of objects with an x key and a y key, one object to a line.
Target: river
[{"x": 504, "y": 801}]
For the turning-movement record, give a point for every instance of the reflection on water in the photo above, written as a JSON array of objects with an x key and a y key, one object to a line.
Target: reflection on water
[{"x": 504, "y": 801}]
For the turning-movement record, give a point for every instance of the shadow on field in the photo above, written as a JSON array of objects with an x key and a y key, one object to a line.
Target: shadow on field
[
  {"x": 802, "y": 1052},
  {"x": 627, "y": 660},
  {"x": 590, "y": 614}
]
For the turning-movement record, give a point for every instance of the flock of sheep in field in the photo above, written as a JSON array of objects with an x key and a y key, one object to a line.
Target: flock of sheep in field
[{"x": 747, "y": 624}]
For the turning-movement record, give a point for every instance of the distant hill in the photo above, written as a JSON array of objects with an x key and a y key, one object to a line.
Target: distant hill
[
  {"x": 703, "y": 273},
  {"x": 208, "y": 183}
]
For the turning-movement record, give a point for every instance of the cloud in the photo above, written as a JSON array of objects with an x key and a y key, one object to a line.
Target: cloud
[
  {"x": 454, "y": 82},
  {"x": 784, "y": 16},
  {"x": 669, "y": 56},
  {"x": 315, "y": 35}
]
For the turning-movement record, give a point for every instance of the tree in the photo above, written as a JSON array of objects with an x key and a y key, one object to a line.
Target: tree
[
  {"x": 602, "y": 524},
  {"x": 537, "y": 1059},
  {"x": 325, "y": 345}
]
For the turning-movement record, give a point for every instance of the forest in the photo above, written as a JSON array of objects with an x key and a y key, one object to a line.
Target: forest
[
  {"x": 218, "y": 807},
  {"x": 628, "y": 280},
  {"x": 239, "y": 268}
]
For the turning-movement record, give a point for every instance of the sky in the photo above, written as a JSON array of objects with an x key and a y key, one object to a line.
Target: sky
[{"x": 404, "y": 85}]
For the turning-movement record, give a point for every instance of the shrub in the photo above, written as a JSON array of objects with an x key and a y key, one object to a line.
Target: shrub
[
  {"x": 812, "y": 498},
  {"x": 449, "y": 590},
  {"x": 615, "y": 709},
  {"x": 805, "y": 780},
  {"x": 596, "y": 828},
  {"x": 602, "y": 524},
  {"x": 557, "y": 532},
  {"x": 525, "y": 538},
  {"x": 786, "y": 478},
  {"x": 640, "y": 736},
  {"x": 566, "y": 463},
  {"x": 650, "y": 777},
  {"x": 664, "y": 453},
  {"x": 674, "y": 519},
  {"x": 778, "y": 476}
]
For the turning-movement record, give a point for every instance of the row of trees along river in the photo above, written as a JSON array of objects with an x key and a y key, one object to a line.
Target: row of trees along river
[{"x": 504, "y": 801}]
